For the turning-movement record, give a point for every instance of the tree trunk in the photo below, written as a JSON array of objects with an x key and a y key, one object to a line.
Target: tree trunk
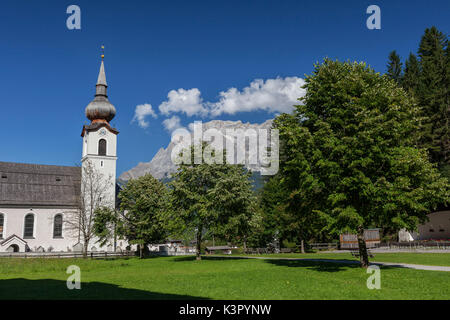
[
  {"x": 363, "y": 256},
  {"x": 85, "y": 249},
  {"x": 115, "y": 237},
  {"x": 141, "y": 251},
  {"x": 245, "y": 244},
  {"x": 302, "y": 246},
  {"x": 199, "y": 244}
]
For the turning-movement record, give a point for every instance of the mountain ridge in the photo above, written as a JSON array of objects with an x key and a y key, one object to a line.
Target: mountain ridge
[{"x": 161, "y": 166}]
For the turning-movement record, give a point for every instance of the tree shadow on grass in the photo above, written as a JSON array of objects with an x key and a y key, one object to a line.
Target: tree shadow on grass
[
  {"x": 316, "y": 265},
  {"x": 51, "y": 289},
  {"x": 321, "y": 265}
]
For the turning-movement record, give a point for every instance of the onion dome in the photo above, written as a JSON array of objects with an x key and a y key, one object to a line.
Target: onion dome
[{"x": 100, "y": 108}]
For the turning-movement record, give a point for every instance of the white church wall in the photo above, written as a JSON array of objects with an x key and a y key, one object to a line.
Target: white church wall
[
  {"x": 14, "y": 223},
  {"x": 42, "y": 228},
  {"x": 92, "y": 138},
  {"x": 106, "y": 165}
]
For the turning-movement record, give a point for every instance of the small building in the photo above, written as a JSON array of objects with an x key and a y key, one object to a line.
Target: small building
[
  {"x": 350, "y": 241},
  {"x": 172, "y": 243},
  {"x": 436, "y": 228}
]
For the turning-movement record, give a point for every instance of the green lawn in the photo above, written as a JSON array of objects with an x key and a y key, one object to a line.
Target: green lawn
[
  {"x": 212, "y": 278},
  {"x": 431, "y": 259}
]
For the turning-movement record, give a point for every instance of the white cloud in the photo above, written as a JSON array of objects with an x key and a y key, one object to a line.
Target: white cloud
[
  {"x": 273, "y": 95},
  {"x": 172, "y": 124},
  {"x": 141, "y": 112},
  {"x": 183, "y": 101}
]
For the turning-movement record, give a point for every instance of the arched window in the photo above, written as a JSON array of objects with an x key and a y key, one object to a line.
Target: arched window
[
  {"x": 29, "y": 226},
  {"x": 102, "y": 147},
  {"x": 57, "y": 226},
  {"x": 2, "y": 221}
]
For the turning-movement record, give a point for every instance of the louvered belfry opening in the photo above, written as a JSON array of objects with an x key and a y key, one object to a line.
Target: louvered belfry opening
[{"x": 102, "y": 147}]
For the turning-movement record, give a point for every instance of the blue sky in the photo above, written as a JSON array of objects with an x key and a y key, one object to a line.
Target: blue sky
[{"x": 48, "y": 73}]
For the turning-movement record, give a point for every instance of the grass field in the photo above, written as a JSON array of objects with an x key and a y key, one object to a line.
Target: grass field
[{"x": 213, "y": 278}]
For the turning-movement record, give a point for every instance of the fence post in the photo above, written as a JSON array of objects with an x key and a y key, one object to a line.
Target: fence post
[{"x": 92, "y": 255}]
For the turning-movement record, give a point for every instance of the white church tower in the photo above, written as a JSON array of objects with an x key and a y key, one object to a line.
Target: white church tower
[{"x": 100, "y": 139}]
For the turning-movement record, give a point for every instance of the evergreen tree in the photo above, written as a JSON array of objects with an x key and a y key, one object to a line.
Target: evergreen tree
[
  {"x": 445, "y": 166},
  {"x": 411, "y": 77},
  {"x": 433, "y": 95},
  {"x": 394, "y": 67}
]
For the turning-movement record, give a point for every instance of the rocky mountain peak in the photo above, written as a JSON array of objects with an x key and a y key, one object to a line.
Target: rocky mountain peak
[{"x": 161, "y": 166}]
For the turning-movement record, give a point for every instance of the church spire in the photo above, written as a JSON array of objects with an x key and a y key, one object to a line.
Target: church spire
[
  {"x": 100, "y": 109},
  {"x": 101, "y": 80}
]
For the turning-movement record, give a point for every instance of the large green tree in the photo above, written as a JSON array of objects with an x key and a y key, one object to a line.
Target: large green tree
[
  {"x": 236, "y": 201},
  {"x": 144, "y": 203},
  {"x": 351, "y": 160},
  {"x": 281, "y": 221},
  {"x": 210, "y": 198}
]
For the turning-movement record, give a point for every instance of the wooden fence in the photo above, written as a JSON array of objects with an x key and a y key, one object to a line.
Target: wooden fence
[
  {"x": 324, "y": 246},
  {"x": 92, "y": 255},
  {"x": 258, "y": 251},
  {"x": 418, "y": 244}
]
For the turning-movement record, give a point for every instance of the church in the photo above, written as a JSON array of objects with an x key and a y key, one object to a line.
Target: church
[{"x": 38, "y": 203}]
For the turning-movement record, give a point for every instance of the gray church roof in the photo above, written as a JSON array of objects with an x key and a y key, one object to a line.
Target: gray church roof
[{"x": 32, "y": 185}]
